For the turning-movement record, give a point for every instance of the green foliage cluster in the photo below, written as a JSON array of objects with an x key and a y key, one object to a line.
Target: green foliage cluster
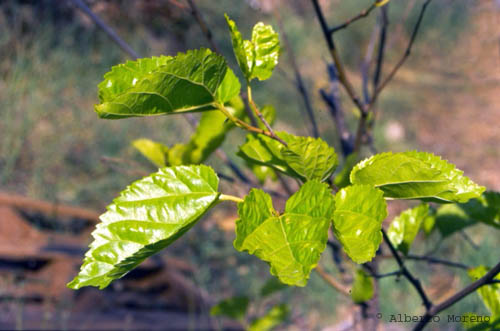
[{"x": 155, "y": 211}]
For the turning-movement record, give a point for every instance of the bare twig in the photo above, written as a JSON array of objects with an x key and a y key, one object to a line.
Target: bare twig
[
  {"x": 299, "y": 82},
  {"x": 332, "y": 281},
  {"x": 108, "y": 30},
  {"x": 381, "y": 46},
  {"x": 203, "y": 26},
  {"x": 405, "y": 272},
  {"x": 406, "y": 54},
  {"x": 361, "y": 14},
  {"x": 432, "y": 311},
  {"x": 433, "y": 260},
  {"x": 365, "y": 66}
]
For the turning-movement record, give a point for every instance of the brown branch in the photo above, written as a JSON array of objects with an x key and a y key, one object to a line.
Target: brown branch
[
  {"x": 362, "y": 14},
  {"x": 405, "y": 272},
  {"x": 433, "y": 260},
  {"x": 108, "y": 30},
  {"x": 298, "y": 77},
  {"x": 332, "y": 281},
  {"x": 405, "y": 55},
  {"x": 203, "y": 25},
  {"x": 485, "y": 280}
]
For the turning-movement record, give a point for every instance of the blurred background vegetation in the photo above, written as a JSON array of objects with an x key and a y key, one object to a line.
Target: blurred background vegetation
[{"x": 445, "y": 100}]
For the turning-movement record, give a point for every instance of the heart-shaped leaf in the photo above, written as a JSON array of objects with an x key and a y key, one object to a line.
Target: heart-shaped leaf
[{"x": 291, "y": 242}]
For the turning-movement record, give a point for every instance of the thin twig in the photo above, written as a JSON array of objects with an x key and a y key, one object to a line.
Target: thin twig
[
  {"x": 485, "y": 280},
  {"x": 405, "y": 272},
  {"x": 365, "y": 66},
  {"x": 434, "y": 260},
  {"x": 299, "y": 82},
  {"x": 381, "y": 46},
  {"x": 203, "y": 25},
  {"x": 332, "y": 281},
  {"x": 108, "y": 30},
  {"x": 361, "y": 14},
  {"x": 405, "y": 55}
]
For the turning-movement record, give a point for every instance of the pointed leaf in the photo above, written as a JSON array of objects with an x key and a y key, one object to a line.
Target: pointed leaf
[
  {"x": 185, "y": 83},
  {"x": 266, "y": 45},
  {"x": 152, "y": 150},
  {"x": 404, "y": 228},
  {"x": 291, "y": 242},
  {"x": 277, "y": 315},
  {"x": 415, "y": 175},
  {"x": 258, "y": 57},
  {"x": 363, "y": 288},
  {"x": 235, "y": 308},
  {"x": 357, "y": 221},
  {"x": 145, "y": 218},
  {"x": 490, "y": 294}
]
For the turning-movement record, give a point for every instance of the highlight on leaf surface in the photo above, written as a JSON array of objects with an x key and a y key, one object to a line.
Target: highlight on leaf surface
[
  {"x": 146, "y": 217},
  {"x": 305, "y": 158},
  {"x": 291, "y": 242},
  {"x": 155, "y": 152},
  {"x": 257, "y": 57},
  {"x": 404, "y": 228},
  {"x": 357, "y": 221},
  {"x": 189, "y": 82},
  {"x": 415, "y": 175}
]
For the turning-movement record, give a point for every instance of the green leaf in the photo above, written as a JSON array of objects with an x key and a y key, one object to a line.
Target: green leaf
[
  {"x": 275, "y": 316},
  {"x": 380, "y": 3},
  {"x": 291, "y": 242},
  {"x": 188, "y": 82},
  {"x": 146, "y": 217},
  {"x": 342, "y": 178},
  {"x": 152, "y": 150},
  {"x": 429, "y": 223},
  {"x": 271, "y": 286},
  {"x": 404, "y": 228},
  {"x": 363, "y": 288},
  {"x": 126, "y": 75},
  {"x": 455, "y": 217},
  {"x": 311, "y": 158},
  {"x": 490, "y": 294},
  {"x": 235, "y": 308},
  {"x": 305, "y": 158},
  {"x": 357, "y": 221},
  {"x": 266, "y": 45},
  {"x": 415, "y": 175},
  {"x": 258, "y": 57}
]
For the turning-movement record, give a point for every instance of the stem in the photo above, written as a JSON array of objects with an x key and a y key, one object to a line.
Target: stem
[
  {"x": 261, "y": 117},
  {"x": 405, "y": 272},
  {"x": 362, "y": 14},
  {"x": 485, "y": 280},
  {"x": 226, "y": 197},
  {"x": 203, "y": 25},
  {"x": 332, "y": 281}
]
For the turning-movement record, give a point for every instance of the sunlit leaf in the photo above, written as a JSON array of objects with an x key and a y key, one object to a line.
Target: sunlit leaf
[
  {"x": 415, "y": 175},
  {"x": 152, "y": 150},
  {"x": 357, "y": 221},
  {"x": 185, "y": 83},
  {"x": 404, "y": 228},
  {"x": 291, "y": 242},
  {"x": 257, "y": 57},
  {"x": 380, "y": 3},
  {"x": 235, "y": 308},
  {"x": 275, "y": 316},
  {"x": 305, "y": 158},
  {"x": 145, "y": 218},
  {"x": 490, "y": 294},
  {"x": 362, "y": 288}
]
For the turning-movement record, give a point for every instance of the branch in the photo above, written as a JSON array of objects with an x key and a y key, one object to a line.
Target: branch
[
  {"x": 203, "y": 26},
  {"x": 332, "y": 281},
  {"x": 404, "y": 271},
  {"x": 433, "y": 260},
  {"x": 405, "y": 55},
  {"x": 108, "y": 30},
  {"x": 298, "y": 77},
  {"x": 485, "y": 280},
  {"x": 381, "y": 46},
  {"x": 362, "y": 14}
]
